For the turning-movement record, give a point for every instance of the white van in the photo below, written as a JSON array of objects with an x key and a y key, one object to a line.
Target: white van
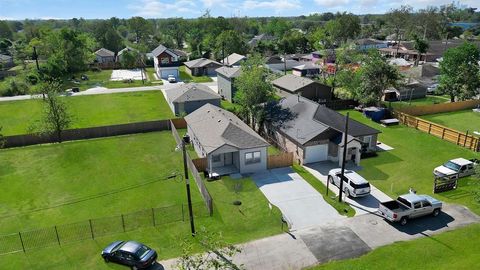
[{"x": 354, "y": 185}]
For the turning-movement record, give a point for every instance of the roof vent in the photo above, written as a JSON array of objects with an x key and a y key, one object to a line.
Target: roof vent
[
  {"x": 208, "y": 111},
  {"x": 219, "y": 120}
]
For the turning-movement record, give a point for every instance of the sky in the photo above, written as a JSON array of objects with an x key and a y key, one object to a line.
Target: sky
[{"x": 100, "y": 9}]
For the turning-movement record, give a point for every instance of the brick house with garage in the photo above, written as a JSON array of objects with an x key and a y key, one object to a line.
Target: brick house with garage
[{"x": 166, "y": 62}]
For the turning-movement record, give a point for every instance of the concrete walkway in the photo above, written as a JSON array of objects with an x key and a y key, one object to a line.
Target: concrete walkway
[
  {"x": 341, "y": 239},
  {"x": 301, "y": 205},
  {"x": 363, "y": 205}
]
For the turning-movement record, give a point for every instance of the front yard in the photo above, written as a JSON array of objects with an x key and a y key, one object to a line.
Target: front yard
[
  {"x": 89, "y": 111},
  {"x": 463, "y": 121}
]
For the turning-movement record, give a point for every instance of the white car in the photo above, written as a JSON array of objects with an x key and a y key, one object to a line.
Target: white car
[
  {"x": 455, "y": 168},
  {"x": 171, "y": 79},
  {"x": 354, "y": 185},
  {"x": 432, "y": 88}
]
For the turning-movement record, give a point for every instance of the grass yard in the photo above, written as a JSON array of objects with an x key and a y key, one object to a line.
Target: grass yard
[
  {"x": 89, "y": 111},
  {"x": 152, "y": 76},
  {"x": 101, "y": 79},
  {"x": 460, "y": 120},
  {"x": 451, "y": 250},
  {"x": 429, "y": 100},
  {"x": 185, "y": 77}
]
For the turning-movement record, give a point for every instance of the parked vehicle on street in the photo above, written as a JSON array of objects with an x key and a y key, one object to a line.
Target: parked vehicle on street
[
  {"x": 432, "y": 88},
  {"x": 171, "y": 79},
  {"x": 130, "y": 253},
  {"x": 409, "y": 206},
  {"x": 354, "y": 185},
  {"x": 455, "y": 168}
]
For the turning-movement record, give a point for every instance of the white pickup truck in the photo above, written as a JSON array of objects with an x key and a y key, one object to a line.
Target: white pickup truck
[
  {"x": 455, "y": 168},
  {"x": 409, "y": 206}
]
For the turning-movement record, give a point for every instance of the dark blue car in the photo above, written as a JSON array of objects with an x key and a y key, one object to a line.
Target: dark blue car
[{"x": 130, "y": 253}]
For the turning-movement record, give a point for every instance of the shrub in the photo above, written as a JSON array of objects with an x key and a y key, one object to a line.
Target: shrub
[
  {"x": 96, "y": 69},
  {"x": 15, "y": 87},
  {"x": 32, "y": 78}
]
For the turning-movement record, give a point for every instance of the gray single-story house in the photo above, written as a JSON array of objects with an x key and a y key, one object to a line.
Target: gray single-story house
[
  {"x": 202, "y": 66},
  {"x": 317, "y": 133},
  {"x": 228, "y": 144},
  {"x": 186, "y": 98},
  {"x": 411, "y": 90},
  {"x": 226, "y": 81},
  {"x": 6, "y": 61},
  {"x": 234, "y": 60},
  {"x": 104, "y": 56},
  {"x": 308, "y": 88}
]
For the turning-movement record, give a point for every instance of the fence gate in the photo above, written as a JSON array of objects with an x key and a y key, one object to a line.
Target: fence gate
[{"x": 442, "y": 184}]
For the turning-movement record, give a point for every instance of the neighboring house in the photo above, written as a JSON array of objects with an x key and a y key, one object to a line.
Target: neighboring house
[
  {"x": 316, "y": 133},
  {"x": 122, "y": 51},
  {"x": 228, "y": 144},
  {"x": 325, "y": 57},
  {"x": 6, "y": 61},
  {"x": 202, "y": 66},
  {"x": 308, "y": 69},
  {"x": 277, "y": 63},
  {"x": 226, "y": 81},
  {"x": 166, "y": 62},
  {"x": 256, "y": 39},
  {"x": 104, "y": 56},
  {"x": 186, "y": 98},
  {"x": 305, "y": 87},
  {"x": 412, "y": 89},
  {"x": 234, "y": 60},
  {"x": 370, "y": 43}
]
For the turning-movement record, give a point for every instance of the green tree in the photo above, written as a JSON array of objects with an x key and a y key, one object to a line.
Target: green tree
[
  {"x": 5, "y": 30},
  {"x": 421, "y": 46},
  {"x": 139, "y": 26},
  {"x": 277, "y": 27},
  {"x": 56, "y": 117},
  {"x": 459, "y": 72},
  {"x": 398, "y": 19},
  {"x": 107, "y": 37},
  {"x": 130, "y": 59},
  {"x": 253, "y": 90},
  {"x": 293, "y": 42},
  {"x": 229, "y": 42},
  {"x": 348, "y": 27}
]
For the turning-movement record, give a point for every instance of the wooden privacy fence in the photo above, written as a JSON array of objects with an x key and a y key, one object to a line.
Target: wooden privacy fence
[
  {"x": 201, "y": 164},
  {"x": 440, "y": 108},
  {"x": 445, "y": 133},
  {"x": 280, "y": 160}
]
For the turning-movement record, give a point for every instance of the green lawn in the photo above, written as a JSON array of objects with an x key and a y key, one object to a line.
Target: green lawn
[
  {"x": 429, "y": 100},
  {"x": 88, "y": 111},
  {"x": 227, "y": 105},
  {"x": 460, "y": 120},
  {"x": 101, "y": 79},
  {"x": 185, "y": 77},
  {"x": 451, "y": 250}
]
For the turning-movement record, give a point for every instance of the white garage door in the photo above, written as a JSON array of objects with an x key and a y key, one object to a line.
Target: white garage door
[
  {"x": 316, "y": 153},
  {"x": 166, "y": 72}
]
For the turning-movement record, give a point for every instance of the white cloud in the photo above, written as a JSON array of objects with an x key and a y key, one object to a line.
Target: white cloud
[
  {"x": 332, "y": 3},
  {"x": 277, "y": 5},
  {"x": 156, "y": 8}
]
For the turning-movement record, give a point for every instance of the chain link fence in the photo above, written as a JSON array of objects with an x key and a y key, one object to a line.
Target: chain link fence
[{"x": 93, "y": 228}]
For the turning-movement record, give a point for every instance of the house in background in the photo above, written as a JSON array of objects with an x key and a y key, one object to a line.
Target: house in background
[
  {"x": 412, "y": 89},
  {"x": 103, "y": 56},
  {"x": 6, "y": 61},
  {"x": 262, "y": 37},
  {"x": 308, "y": 69},
  {"x": 317, "y": 133},
  {"x": 226, "y": 81},
  {"x": 279, "y": 63},
  {"x": 228, "y": 144},
  {"x": 364, "y": 44},
  {"x": 122, "y": 51},
  {"x": 201, "y": 67},
  {"x": 234, "y": 60},
  {"x": 166, "y": 62},
  {"x": 294, "y": 85},
  {"x": 186, "y": 98}
]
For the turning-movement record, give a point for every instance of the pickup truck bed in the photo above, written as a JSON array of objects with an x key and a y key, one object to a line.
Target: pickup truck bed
[{"x": 394, "y": 206}]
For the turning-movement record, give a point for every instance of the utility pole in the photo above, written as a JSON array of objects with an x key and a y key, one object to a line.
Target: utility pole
[
  {"x": 185, "y": 140},
  {"x": 345, "y": 142}
]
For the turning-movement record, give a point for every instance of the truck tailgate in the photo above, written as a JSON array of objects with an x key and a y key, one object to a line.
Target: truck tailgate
[{"x": 386, "y": 213}]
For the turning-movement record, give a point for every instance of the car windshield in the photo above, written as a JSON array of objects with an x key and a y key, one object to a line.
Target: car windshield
[
  {"x": 452, "y": 166},
  {"x": 141, "y": 252}
]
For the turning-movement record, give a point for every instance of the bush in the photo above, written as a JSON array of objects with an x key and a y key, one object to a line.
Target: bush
[
  {"x": 96, "y": 69},
  {"x": 15, "y": 87},
  {"x": 32, "y": 78}
]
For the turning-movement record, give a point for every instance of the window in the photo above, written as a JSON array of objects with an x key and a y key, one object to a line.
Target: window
[
  {"x": 426, "y": 204},
  {"x": 417, "y": 205},
  {"x": 216, "y": 158},
  {"x": 252, "y": 157},
  {"x": 164, "y": 60}
]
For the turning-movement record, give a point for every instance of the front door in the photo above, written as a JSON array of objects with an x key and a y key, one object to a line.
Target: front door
[{"x": 227, "y": 159}]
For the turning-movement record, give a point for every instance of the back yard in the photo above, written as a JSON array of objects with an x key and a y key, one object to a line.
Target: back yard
[
  {"x": 185, "y": 77},
  {"x": 428, "y": 100},
  {"x": 464, "y": 121},
  {"x": 89, "y": 111}
]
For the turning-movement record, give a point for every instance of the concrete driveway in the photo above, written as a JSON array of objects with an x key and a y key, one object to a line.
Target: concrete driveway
[
  {"x": 363, "y": 205},
  {"x": 301, "y": 205}
]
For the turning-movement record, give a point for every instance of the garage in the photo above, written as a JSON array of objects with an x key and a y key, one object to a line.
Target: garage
[
  {"x": 171, "y": 71},
  {"x": 316, "y": 153}
]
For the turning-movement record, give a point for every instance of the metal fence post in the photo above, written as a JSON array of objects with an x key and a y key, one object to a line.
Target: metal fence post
[
  {"x": 123, "y": 223},
  {"x": 21, "y": 240},
  {"x": 56, "y": 232},
  {"x": 153, "y": 217},
  {"x": 91, "y": 228}
]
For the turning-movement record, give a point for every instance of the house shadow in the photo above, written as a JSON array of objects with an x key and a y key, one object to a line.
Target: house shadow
[{"x": 426, "y": 223}]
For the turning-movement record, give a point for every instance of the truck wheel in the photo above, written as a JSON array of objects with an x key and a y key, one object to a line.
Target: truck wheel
[
  {"x": 436, "y": 212},
  {"x": 331, "y": 180},
  {"x": 403, "y": 221},
  {"x": 347, "y": 193}
]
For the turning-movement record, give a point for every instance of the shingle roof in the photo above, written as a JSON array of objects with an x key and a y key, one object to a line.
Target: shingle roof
[
  {"x": 104, "y": 53},
  {"x": 368, "y": 41},
  {"x": 215, "y": 127},
  {"x": 292, "y": 83},
  {"x": 313, "y": 120},
  {"x": 4, "y": 57},
  {"x": 201, "y": 62},
  {"x": 160, "y": 49},
  {"x": 129, "y": 49},
  {"x": 307, "y": 66},
  {"x": 229, "y": 72},
  {"x": 190, "y": 92},
  {"x": 233, "y": 59}
]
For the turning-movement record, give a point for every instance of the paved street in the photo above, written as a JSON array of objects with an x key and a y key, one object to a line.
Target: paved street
[
  {"x": 341, "y": 239},
  {"x": 301, "y": 204}
]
